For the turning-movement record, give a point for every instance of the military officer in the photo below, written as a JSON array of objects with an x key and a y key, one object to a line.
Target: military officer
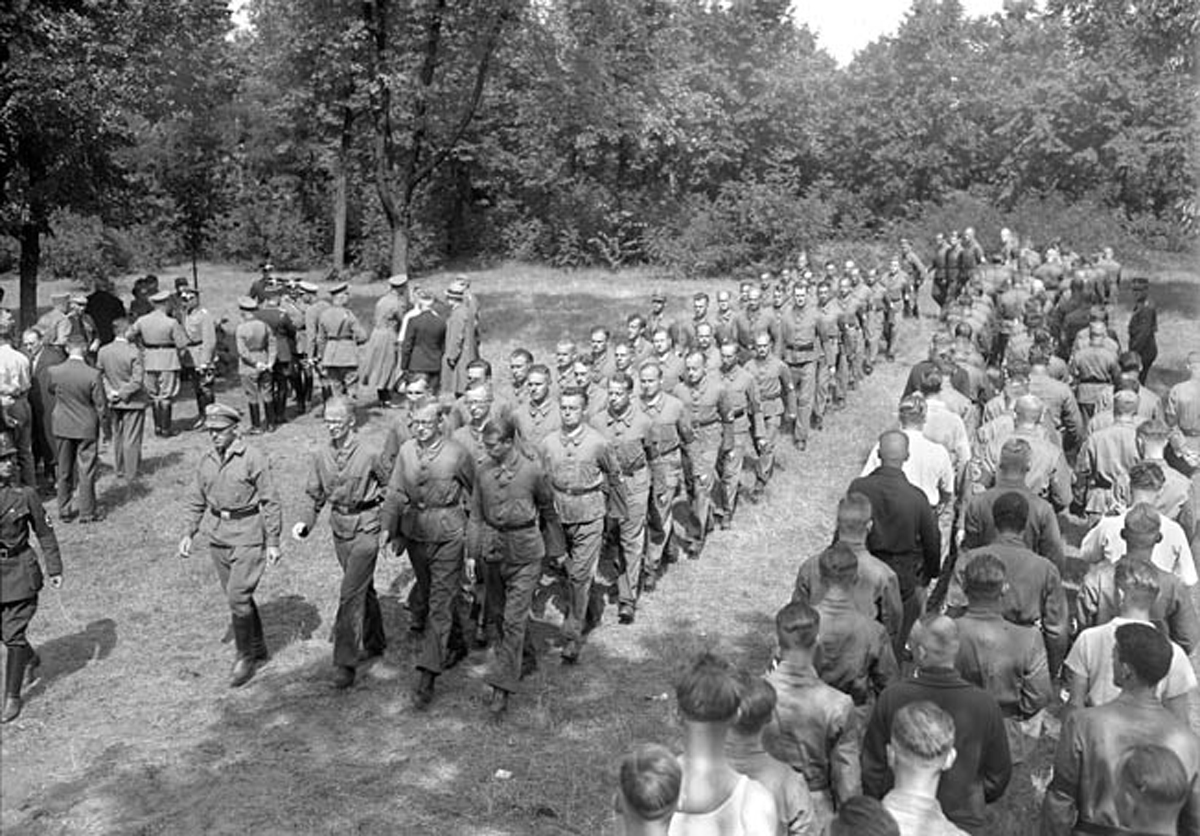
[
  {"x": 163, "y": 338},
  {"x": 350, "y": 479},
  {"x": 339, "y": 334},
  {"x": 746, "y": 411},
  {"x": 20, "y": 575},
  {"x": 256, "y": 351},
  {"x": 802, "y": 352},
  {"x": 1143, "y": 326},
  {"x": 198, "y": 360},
  {"x": 318, "y": 304},
  {"x": 777, "y": 399},
  {"x": 709, "y": 406},
  {"x": 235, "y": 488}
]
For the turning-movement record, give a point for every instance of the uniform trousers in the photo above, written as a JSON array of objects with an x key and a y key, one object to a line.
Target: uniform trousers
[
  {"x": 239, "y": 569},
  {"x": 510, "y": 587},
  {"x": 666, "y": 482},
  {"x": 342, "y": 380},
  {"x": 77, "y": 469},
  {"x": 627, "y": 537},
  {"x": 804, "y": 378},
  {"x": 128, "y": 428},
  {"x": 14, "y": 620},
  {"x": 583, "y": 556},
  {"x": 764, "y": 464},
  {"x": 20, "y": 411},
  {"x": 446, "y": 627},
  {"x": 358, "y": 625},
  {"x": 708, "y": 458},
  {"x": 162, "y": 386},
  {"x": 730, "y": 468},
  {"x": 258, "y": 387}
]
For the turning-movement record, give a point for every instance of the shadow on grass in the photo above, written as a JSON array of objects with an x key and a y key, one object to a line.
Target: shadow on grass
[{"x": 66, "y": 655}]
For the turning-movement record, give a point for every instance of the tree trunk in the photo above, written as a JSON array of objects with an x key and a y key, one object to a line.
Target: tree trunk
[
  {"x": 31, "y": 256},
  {"x": 340, "y": 177},
  {"x": 399, "y": 247}
]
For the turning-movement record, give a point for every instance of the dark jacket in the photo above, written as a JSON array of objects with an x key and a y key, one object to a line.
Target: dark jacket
[
  {"x": 20, "y": 575},
  {"x": 904, "y": 534},
  {"x": 79, "y": 400},
  {"x": 424, "y": 343}
]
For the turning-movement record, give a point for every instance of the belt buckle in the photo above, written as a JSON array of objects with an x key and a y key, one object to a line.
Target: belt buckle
[{"x": 225, "y": 515}]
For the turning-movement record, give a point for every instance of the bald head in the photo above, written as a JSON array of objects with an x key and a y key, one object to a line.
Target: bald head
[
  {"x": 893, "y": 448},
  {"x": 1028, "y": 410},
  {"x": 338, "y": 409},
  {"x": 934, "y": 642}
]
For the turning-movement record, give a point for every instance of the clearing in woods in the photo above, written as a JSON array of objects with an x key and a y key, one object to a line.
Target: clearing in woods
[{"x": 133, "y": 730}]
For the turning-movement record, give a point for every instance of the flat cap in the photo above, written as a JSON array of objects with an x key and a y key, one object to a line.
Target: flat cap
[
  {"x": 79, "y": 298},
  {"x": 161, "y": 296},
  {"x": 60, "y": 296},
  {"x": 308, "y": 287},
  {"x": 1142, "y": 519},
  {"x": 456, "y": 290},
  {"x": 181, "y": 282},
  {"x": 398, "y": 280},
  {"x": 658, "y": 296},
  {"x": 247, "y": 303},
  {"x": 340, "y": 287},
  {"x": 218, "y": 416}
]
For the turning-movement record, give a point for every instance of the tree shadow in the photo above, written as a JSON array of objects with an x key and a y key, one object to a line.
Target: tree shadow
[
  {"x": 119, "y": 493},
  {"x": 286, "y": 619},
  {"x": 153, "y": 464},
  {"x": 67, "y": 655}
]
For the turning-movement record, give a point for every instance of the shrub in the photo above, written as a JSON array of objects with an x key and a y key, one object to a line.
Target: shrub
[{"x": 80, "y": 247}]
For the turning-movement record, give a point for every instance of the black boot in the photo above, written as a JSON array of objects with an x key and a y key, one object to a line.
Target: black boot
[
  {"x": 14, "y": 678},
  {"x": 423, "y": 695},
  {"x": 156, "y": 414},
  {"x": 255, "y": 419},
  {"x": 258, "y": 641},
  {"x": 167, "y": 408},
  {"x": 269, "y": 415},
  {"x": 244, "y": 665}
]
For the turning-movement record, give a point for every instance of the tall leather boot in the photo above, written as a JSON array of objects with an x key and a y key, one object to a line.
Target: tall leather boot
[
  {"x": 258, "y": 640},
  {"x": 255, "y": 419},
  {"x": 244, "y": 665},
  {"x": 269, "y": 414},
  {"x": 167, "y": 409},
  {"x": 201, "y": 405},
  {"x": 14, "y": 678},
  {"x": 156, "y": 414}
]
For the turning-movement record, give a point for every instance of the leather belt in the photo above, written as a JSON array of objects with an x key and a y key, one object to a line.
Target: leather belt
[
  {"x": 12, "y": 551},
  {"x": 802, "y": 346},
  {"x": 659, "y": 454},
  {"x": 358, "y": 507},
  {"x": 515, "y": 526},
  {"x": 738, "y": 413},
  {"x": 708, "y": 423},
  {"x": 424, "y": 506},
  {"x": 629, "y": 471},
  {"x": 578, "y": 491},
  {"x": 234, "y": 513},
  {"x": 159, "y": 345}
]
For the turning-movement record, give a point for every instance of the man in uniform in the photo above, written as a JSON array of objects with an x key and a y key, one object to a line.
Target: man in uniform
[
  {"x": 1082, "y": 796},
  {"x": 724, "y": 324},
  {"x": 746, "y": 410},
  {"x": 256, "y": 351},
  {"x": 198, "y": 359},
  {"x": 829, "y": 314},
  {"x": 54, "y": 323},
  {"x": 670, "y": 436},
  {"x": 21, "y": 512},
  {"x": 538, "y": 416},
  {"x": 751, "y": 321},
  {"x": 802, "y": 352},
  {"x": 512, "y": 527},
  {"x": 917, "y": 272},
  {"x": 120, "y": 362},
  {"x": 628, "y": 433},
  {"x": 399, "y": 429},
  {"x": 709, "y": 406},
  {"x": 564, "y": 365},
  {"x": 657, "y": 318},
  {"x": 587, "y": 484},
  {"x": 283, "y": 370},
  {"x": 79, "y": 404},
  {"x": 686, "y": 338},
  {"x": 1182, "y": 414},
  {"x": 708, "y": 349},
  {"x": 1095, "y": 370},
  {"x": 849, "y": 367},
  {"x": 163, "y": 338},
  {"x": 339, "y": 335},
  {"x": 777, "y": 398},
  {"x": 318, "y": 304},
  {"x": 461, "y": 339},
  {"x": 667, "y": 358},
  {"x": 602, "y": 357},
  {"x": 639, "y": 343},
  {"x": 348, "y": 477},
  {"x": 1143, "y": 326},
  {"x": 1102, "y": 469},
  {"x": 519, "y": 364},
  {"x": 234, "y": 487}
]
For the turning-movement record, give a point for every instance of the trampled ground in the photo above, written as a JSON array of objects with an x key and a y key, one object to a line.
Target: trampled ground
[{"x": 132, "y": 729}]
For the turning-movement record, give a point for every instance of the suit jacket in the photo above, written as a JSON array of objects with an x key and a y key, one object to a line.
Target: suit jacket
[
  {"x": 424, "y": 343},
  {"x": 79, "y": 400},
  {"x": 120, "y": 363},
  {"x": 461, "y": 349}
]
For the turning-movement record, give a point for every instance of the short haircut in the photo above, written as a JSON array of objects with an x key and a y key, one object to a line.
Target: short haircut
[
  {"x": 601, "y": 330},
  {"x": 120, "y": 325},
  {"x": 522, "y": 353},
  {"x": 708, "y": 692},
  {"x": 1010, "y": 512},
  {"x": 757, "y": 705},
  {"x": 625, "y": 380},
  {"x": 863, "y": 816},
  {"x": 1145, "y": 650},
  {"x": 76, "y": 343},
  {"x": 574, "y": 392},
  {"x": 1154, "y": 774},
  {"x": 838, "y": 565},
  {"x": 650, "y": 779},
  {"x": 931, "y": 383},
  {"x": 854, "y": 512},
  {"x": 984, "y": 577},
  {"x": 1147, "y": 476},
  {"x": 912, "y": 408},
  {"x": 797, "y": 625},
  {"x": 540, "y": 368},
  {"x": 1137, "y": 581},
  {"x": 1153, "y": 430},
  {"x": 1130, "y": 361},
  {"x": 500, "y": 426},
  {"x": 483, "y": 365},
  {"x": 923, "y": 731},
  {"x": 1039, "y": 355}
]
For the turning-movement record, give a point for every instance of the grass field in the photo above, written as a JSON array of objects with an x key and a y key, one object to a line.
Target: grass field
[{"x": 132, "y": 729}]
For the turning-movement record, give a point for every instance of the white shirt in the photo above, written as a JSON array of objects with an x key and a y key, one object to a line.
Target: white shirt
[
  {"x": 928, "y": 466},
  {"x": 1171, "y": 554},
  {"x": 14, "y": 372},
  {"x": 1091, "y": 664},
  {"x": 946, "y": 427}
]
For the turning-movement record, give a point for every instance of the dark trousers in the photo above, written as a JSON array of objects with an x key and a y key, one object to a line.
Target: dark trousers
[
  {"x": 20, "y": 412},
  {"x": 128, "y": 428},
  {"x": 77, "y": 470},
  {"x": 14, "y": 619},
  {"x": 358, "y": 625},
  {"x": 239, "y": 569},
  {"x": 510, "y": 588},
  {"x": 446, "y": 624}
]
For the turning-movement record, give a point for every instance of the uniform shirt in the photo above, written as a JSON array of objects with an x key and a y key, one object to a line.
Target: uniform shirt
[
  {"x": 284, "y": 332},
  {"x": 201, "y": 334},
  {"x": 1034, "y": 595},
  {"x": 928, "y": 466},
  {"x": 876, "y": 592},
  {"x": 946, "y": 428},
  {"x": 670, "y": 429},
  {"x": 1102, "y": 469},
  {"x": 742, "y": 390},
  {"x": 536, "y": 421},
  {"x": 1005, "y": 659},
  {"x": 583, "y": 472},
  {"x": 312, "y": 313},
  {"x": 15, "y": 373},
  {"x": 241, "y": 479},
  {"x": 338, "y": 336},
  {"x": 1061, "y": 407},
  {"x": 1094, "y": 369},
  {"x": 981, "y": 771},
  {"x": 21, "y": 511},
  {"x": 673, "y": 369},
  {"x": 1182, "y": 409},
  {"x": 1041, "y": 535},
  {"x": 1086, "y": 764},
  {"x": 854, "y": 652},
  {"x": 628, "y": 437},
  {"x": 1172, "y": 610},
  {"x": 749, "y": 324},
  {"x": 1175, "y": 500},
  {"x": 827, "y": 326},
  {"x": 919, "y": 815},
  {"x": 163, "y": 338},
  {"x": 1171, "y": 553},
  {"x": 255, "y": 344},
  {"x": 510, "y": 501},
  {"x": 709, "y": 407},
  {"x": 1049, "y": 476},
  {"x": 429, "y": 490},
  {"x": 813, "y": 731},
  {"x": 776, "y": 392},
  {"x": 351, "y": 480},
  {"x": 799, "y": 337},
  {"x": 1091, "y": 664},
  {"x": 793, "y": 802}
]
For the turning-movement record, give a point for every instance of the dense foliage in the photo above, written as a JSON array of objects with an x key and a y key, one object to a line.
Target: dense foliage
[{"x": 702, "y": 136}]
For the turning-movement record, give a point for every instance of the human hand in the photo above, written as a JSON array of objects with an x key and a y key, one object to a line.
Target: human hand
[
  {"x": 299, "y": 531},
  {"x": 185, "y": 547},
  {"x": 274, "y": 555}
]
